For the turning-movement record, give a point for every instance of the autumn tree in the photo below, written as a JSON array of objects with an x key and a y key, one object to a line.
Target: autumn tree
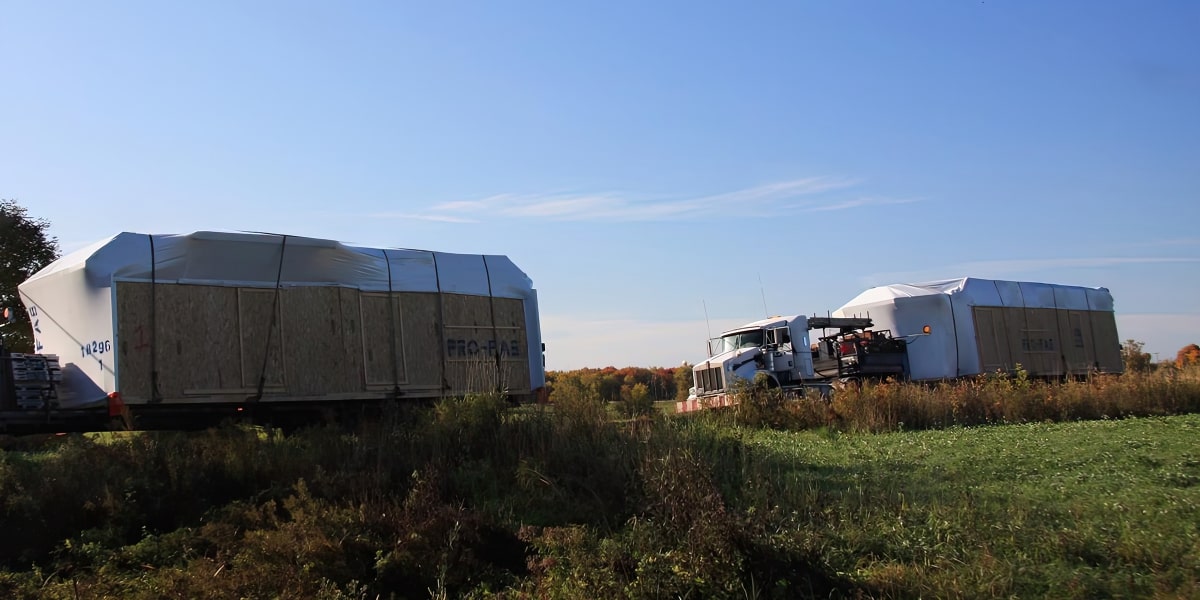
[
  {"x": 1188, "y": 355},
  {"x": 683, "y": 381},
  {"x": 611, "y": 384},
  {"x": 1135, "y": 360},
  {"x": 638, "y": 403},
  {"x": 24, "y": 249}
]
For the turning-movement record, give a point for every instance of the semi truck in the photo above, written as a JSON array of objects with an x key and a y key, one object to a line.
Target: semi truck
[
  {"x": 163, "y": 330},
  {"x": 797, "y": 353},
  {"x": 933, "y": 331}
]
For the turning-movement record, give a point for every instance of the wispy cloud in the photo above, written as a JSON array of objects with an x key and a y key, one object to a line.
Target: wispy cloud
[
  {"x": 565, "y": 207},
  {"x": 1041, "y": 264},
  {"x": 466, "y": 205},
  {"x": 811, "y": 193},
  {"x": 1168, "y": 242},
  {"x": 443, "y": 218},
  {"x": 860, "y": 202}
]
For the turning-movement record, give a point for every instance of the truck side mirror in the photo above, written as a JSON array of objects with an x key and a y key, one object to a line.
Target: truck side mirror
[{"x": 778, "y": 337}]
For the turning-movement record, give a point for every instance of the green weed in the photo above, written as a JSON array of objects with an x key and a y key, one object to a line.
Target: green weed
[{"x": 889, "y": 490}]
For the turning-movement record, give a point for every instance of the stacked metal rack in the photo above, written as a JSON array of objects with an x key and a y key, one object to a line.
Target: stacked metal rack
[{"x": 35, "y": 378}]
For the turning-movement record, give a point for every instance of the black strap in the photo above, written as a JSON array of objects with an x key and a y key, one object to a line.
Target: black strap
[
  {"x": 441, "y": 327},
  {"x": 1091, "y": 330},
  {"x": 262, "y": 374},
  {"x": 392, "y": 325},
  {"x": 155, "y": 393},
  {"x": 495, "y": 332}
]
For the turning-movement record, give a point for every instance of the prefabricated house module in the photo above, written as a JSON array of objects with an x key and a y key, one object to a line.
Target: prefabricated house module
[
  {"x": 984, "y": 325},
  {"x": 220, "y": 317}
]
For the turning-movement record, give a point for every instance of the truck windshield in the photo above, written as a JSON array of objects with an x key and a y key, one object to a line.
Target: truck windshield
[{"x": 741, "y": 339}]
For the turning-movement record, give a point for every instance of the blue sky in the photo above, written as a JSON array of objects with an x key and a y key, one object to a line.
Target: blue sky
[{"x": 648, "y": 164}]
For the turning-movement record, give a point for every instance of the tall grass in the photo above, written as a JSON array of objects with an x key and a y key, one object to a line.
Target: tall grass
[
  {"x": 475, "y": 498},
  {"x": 995, "y": 399}
]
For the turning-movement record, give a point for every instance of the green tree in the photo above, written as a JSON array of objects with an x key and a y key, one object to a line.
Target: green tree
[
  {"x": 24, "y": 249},
  {"x": 1135, "y": 360},
  {"x": 683, "y": 381},
  {"x": 565, "y": 386},
  {"x": 639, "y": 403},
  {"x": 609, "y": 386}
]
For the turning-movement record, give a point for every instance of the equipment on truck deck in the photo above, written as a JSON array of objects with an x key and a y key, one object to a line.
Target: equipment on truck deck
[{"x": 859, "y": 353}]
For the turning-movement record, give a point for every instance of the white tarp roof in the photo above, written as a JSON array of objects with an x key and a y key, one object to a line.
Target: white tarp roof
[
  {"x": 761, "y": 323},
  {"x": 991, "y": 292},
  {"x": 253, "y": 260}
]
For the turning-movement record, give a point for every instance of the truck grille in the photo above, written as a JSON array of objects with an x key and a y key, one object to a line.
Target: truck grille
[{"x": 709, "y": 380}]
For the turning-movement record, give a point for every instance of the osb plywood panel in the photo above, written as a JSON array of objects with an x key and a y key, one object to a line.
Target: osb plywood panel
[
  {"x": 255, "y": 310},
  {"x": 510, "y": 326},
  {"x": 510, "y": 312},
  {"x": 461, "y": 310},
  {"x": 383, "y": 338},
  {"x": 1040, "y": 345},
  {"x": 327, "y": 340},
  {"x": 423, "y": 341},
  {"x": 313, "y": 349},
  {"x": 481, "y": 375},
  {"x": 1075, "y": 333},
  {"x": 196, "y": 345},
  {"x": 197, "y": 338},
  {"x": 992, "y": 339},
  {"x": 1108, "y": 344},
  {"x": 350, "y": 322},
  {"x": 472, "y": 354},
  {"x": 472, "y": 343},
  {"x": 1047, "y": 341},
  {"x": 133, "y": 341}
]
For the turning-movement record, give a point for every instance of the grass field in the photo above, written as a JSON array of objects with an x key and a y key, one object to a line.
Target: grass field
[
  {"x": 474, "y": 499},
  {"x": 1084, "y": 510}
]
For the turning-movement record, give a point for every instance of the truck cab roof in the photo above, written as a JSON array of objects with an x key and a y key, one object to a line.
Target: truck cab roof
[{"x": 777, "y": 321}]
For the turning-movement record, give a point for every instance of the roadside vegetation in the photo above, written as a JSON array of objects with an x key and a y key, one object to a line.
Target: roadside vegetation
[{"x": 1000, "y": 486}]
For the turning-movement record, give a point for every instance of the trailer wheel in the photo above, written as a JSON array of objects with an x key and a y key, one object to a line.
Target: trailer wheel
[
  {"x": 120, "y": 423},
  {"x": 817, "y": 392},
  {"x": 847, "y": 383}
]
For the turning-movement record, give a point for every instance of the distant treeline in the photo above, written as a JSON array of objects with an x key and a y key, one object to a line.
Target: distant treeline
[{"x": 611, "y": 384}]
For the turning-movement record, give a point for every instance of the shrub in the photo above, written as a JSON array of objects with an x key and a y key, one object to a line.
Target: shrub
[
  {"x": 1013, "y": 398},
  {"x": 475, "y": 498}
]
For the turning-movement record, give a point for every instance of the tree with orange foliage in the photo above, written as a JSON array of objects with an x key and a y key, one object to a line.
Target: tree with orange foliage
[
  {"x": 1188, "y": 355},
  {"x": 611, "y": 384},
  {"x": 1135, "y": 360}
]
